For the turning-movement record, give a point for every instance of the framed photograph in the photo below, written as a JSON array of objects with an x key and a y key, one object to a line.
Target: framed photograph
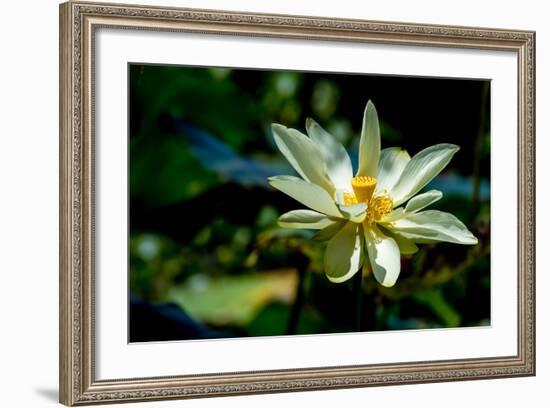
[{"x": 258, "y": 203}]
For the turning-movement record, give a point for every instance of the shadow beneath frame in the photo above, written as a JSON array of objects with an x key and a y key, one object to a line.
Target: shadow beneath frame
[{"x": 51, "y": 394}]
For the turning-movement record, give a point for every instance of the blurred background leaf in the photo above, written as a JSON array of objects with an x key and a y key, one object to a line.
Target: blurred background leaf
[{"x": 233, "y": 300}]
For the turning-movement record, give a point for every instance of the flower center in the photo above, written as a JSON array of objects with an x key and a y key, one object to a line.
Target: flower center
[
  {"x": 363, "y": 187},
  {"x": 379, "y": 207}
]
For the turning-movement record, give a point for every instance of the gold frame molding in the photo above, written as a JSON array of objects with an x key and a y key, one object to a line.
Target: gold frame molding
[{"x": 78, "y": 22}]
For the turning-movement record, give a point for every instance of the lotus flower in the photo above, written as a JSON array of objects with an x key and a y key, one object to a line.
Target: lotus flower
[{"x": 376, "y": 214}]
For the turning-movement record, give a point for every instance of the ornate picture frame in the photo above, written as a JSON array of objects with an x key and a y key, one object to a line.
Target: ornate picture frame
[{"x": 79, "y": 22}]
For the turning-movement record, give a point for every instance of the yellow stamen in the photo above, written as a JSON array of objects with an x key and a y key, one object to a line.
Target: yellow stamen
[
  {"x": 363, "y": 186},
  {"x": 349, "y": 198},
  {"x": 379, "y": 207}
]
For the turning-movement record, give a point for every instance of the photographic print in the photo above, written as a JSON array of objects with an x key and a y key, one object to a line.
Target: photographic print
[{"x": 269, "y": 203}]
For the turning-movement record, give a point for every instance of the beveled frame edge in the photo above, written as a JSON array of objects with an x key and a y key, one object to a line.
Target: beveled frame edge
[{"x": 76, "y": 347}]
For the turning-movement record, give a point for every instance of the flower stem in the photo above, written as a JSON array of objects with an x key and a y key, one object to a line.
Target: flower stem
[{"x": 358, "y": 299}]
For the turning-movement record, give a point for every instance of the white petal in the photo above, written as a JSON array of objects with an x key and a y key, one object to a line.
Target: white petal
[
  {"x": 421, "y": 201},
  {"x": 392, "y": 162},
  {"x": 327, "y": 233},
  {"x": 310, "y": 195},
  {"x": 344, "y": 253},
  {"x": 354, "y": 212},
  {"x": 369, "y": 145},
  {"x": 304, "y": 219},
  {"x": 406, "y": 246},
  {"x": 394, "y": 215},
  {"x": 433, "y": 225},
  {"x": 336, "y": 158},
  {"x": 303, "y": 154},
  {"x": 420, "y": 170},
  {"x": 384, "y": 256}
]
